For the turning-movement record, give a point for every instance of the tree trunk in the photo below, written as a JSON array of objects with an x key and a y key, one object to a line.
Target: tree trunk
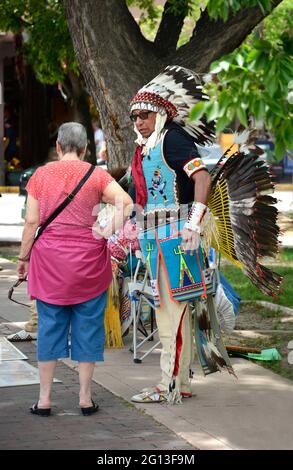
[
  {"x": 115, "y": 61},
  {"x": 81, "y": 111},
  {"x": 34, "y": 134}
]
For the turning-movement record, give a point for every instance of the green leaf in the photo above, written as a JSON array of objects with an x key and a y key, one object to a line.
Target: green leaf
[
  {"x": 270, "y": 120},
  {"x": 253, "y": 55},
  {"x": 287, "y": 132},
  {"x": 224, "y": 100},
  {"x": 213, "y": 111},
  {"x": 261, "y": 62},
  {"x": 197, "y": 111},
  {"x": 222, "y": 123},
  {"x": 231, "y": 113},
  {"x": 239, "y": 60},
  {"x": 258, "y": 109},
  {"x": 215, "y": 67},
  {"x": 280, "y": 148},
  {"x": 246, "y": 84},
  {"x": 286, "y": 77},
  {"x": 272, "y": 86},
  {"x": 225, "y": 65},
  {"x": 241, "y": 114},
  {"x": 287, "y": 43},
  {"x": 262, "y": 45}
]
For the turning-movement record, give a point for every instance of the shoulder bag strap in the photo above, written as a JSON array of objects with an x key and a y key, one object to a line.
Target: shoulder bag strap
[{"x": 65, "y": 203}]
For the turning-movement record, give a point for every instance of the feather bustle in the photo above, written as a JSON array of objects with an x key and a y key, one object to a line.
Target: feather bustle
[{"x": 246, "y": 216}]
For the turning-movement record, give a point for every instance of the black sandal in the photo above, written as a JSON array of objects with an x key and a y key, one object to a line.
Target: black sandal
[
  {"x": 90, "y": 409},
  {"x": 35, "y": 410}
]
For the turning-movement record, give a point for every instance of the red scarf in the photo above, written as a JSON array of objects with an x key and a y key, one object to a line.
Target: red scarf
[{"x": 141, "y": 194}]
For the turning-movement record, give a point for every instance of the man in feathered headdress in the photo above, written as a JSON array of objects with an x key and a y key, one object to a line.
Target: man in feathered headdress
[{"x": 168, "y": 172}]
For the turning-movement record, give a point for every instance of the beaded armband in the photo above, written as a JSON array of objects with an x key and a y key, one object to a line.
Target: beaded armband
[
  {"x": 193, "y": 166},
  {"x": 196, "y": 216}
]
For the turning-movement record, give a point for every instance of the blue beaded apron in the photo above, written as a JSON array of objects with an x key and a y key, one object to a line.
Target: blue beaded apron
[{"x": 189, "y": 277}]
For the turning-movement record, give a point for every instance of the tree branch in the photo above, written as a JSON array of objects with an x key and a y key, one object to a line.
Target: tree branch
[
  {"x": 226, "y": 37},
  {"x": 113, "y": 15},
  {"x": 170, "y": 29}
]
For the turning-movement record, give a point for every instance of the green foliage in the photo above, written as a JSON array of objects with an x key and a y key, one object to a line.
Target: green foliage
[
  {"x": 181, "y": 7},
  {"x": 255, "y": 81},
  {"x": 151, "y": 14},
  {"x": 149, "y": 17},
  {"x": 47, "y": 43},
  {"x": 216, "y": 8},
  {"x": 150, "y": 10},
  {"x": 222, "y": 8}
]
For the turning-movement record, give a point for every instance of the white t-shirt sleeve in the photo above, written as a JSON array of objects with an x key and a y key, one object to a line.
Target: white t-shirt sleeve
[{"x": 99, "y": 135}]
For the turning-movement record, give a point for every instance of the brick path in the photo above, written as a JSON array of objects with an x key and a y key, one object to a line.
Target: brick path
[{"x": 117, "y": 425}]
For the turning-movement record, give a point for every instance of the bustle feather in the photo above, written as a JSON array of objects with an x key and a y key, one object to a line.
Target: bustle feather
[{"x": 246, "y": 216}]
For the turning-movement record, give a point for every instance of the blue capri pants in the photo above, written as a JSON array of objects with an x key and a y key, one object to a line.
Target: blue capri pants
[{"x": 86, "y": 321}]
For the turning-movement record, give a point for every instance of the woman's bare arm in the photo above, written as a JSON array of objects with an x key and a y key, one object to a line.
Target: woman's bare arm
[
  {"x": 32, "y": 221},
  {"x": 117, "y": 197}
]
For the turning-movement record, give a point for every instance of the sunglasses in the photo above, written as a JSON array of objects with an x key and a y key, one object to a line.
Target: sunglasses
[
  {"x": 143, "y": 116},
  {"x": 11, "y": 290}
]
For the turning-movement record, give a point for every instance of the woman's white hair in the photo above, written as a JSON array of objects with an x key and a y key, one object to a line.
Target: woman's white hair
[{"x": 72, "y": 137}]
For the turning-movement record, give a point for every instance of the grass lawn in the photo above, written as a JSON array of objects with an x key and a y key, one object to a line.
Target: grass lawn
[
  {"x": 253, "y": 316},
  {"x": 283, "y": 265},
  {"x": 11, "y": 258},
  {"x": 278, "y": 341}
]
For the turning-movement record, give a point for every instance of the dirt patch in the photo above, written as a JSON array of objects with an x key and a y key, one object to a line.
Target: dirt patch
[
  {"x": 256, "y": 317},
  {"x": 9, "y": 250},
  {"x": 261, "y": 328}
]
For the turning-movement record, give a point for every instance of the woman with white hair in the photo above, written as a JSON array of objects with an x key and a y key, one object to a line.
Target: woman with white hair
[{"x": 68, "y": 266}]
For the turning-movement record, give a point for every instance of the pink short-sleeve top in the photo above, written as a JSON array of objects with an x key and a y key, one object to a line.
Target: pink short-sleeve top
[{"x": 68, "y": 265}]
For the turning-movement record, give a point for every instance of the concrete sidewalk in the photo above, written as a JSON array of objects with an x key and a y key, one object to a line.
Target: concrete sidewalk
[
  {"x": 253, "y": 412},
  {"x": 11, "y": 223}
]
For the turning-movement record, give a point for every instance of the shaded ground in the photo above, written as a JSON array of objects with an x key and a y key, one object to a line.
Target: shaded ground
[
  {"x": 261, "y": 328},
  {"x": 117, "y": 425}
]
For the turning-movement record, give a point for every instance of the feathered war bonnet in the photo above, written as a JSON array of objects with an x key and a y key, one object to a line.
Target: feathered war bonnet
[{"x": 172, "y": 94}]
